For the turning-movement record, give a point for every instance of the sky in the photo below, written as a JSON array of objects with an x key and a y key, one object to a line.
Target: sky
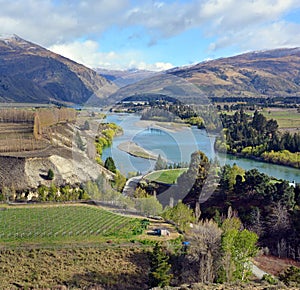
[{"x": 150, "y": 34}]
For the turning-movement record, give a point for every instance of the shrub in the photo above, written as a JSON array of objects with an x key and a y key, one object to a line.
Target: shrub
[
  {"x": 291, "y": 276},
  {"x": 50, "y": 174},
  {"x": 270, "y": 279}
]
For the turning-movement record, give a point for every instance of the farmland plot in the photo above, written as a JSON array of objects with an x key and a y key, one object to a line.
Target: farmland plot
[{"x": 62, "y": 224}]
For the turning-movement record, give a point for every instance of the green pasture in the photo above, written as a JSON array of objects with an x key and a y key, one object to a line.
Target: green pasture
[
  {"x": 286, "y": 118},
  {"x": 165, "y": 176}
]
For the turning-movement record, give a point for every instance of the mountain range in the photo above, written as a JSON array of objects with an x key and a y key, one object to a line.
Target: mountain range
[
  {"x": 261, "y": 74},
  {"x": 30, "y": 73},
  {"x": 271, "y": 73}
]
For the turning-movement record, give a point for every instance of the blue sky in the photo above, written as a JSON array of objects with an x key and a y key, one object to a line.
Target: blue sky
[{"x": 150, "y": 34}]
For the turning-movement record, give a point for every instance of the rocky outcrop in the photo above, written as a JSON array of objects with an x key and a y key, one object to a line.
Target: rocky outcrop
[{"x": 29, "y": 172}]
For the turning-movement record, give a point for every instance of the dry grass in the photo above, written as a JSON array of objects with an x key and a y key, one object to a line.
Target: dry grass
[
  {"x": 274, "y": 265},
  {"x": 76, "y": 268}
]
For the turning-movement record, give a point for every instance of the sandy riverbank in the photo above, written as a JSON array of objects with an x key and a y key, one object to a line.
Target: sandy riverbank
[
  {"x": 165, "y": 126},
  {"x": 136, "y": 150}
]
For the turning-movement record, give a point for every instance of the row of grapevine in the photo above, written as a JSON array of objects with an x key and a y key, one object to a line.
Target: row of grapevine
[{"x": 17, "y": 224}]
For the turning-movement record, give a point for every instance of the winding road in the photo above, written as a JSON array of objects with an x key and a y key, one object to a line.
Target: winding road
[{"x": 131, "y": 185}]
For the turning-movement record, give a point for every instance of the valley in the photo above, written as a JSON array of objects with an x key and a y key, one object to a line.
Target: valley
[{"x": 71, "y": 137}]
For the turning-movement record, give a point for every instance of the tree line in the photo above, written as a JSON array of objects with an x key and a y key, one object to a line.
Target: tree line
[{"x": 255, "y": 136}]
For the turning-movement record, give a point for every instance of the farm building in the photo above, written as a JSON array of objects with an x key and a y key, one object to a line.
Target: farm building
[{"x": 161, "y": 232}]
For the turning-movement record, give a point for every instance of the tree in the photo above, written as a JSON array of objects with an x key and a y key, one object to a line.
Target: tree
[
  {"x": 50, "y": 174},
  {"x": 181, "y": 215},
  {"x": 119, "y": 181},
  {"x": 52, "y": 193},
  {"x": 86, "y": 125},
  {"x": 110, "y": 164},
  {"x": 244, "y": 248},
  {"x": 160, "y": 163},
  {"x": 228, "y": 176},
  {"x": 140, "y": 193},
  {"x": 278, "y": 224},
  {"x": 192, "y": 181},
  {"x": 238, "y": 247},
  {"x": 149, "y": 205},
  {"x": 205, "y": 238},
  {"x": 259, "y": 122},
  {"x": 159, "y": 268}
]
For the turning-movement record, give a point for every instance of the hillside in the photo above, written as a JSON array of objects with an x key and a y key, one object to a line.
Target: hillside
[
  {"x": 273, "y": 73},
  {"x": 34, "y": 141},
  {"x": 32, "y": 74},
  {"x": 269, "y": 74},
  {"x": 125, "y": 77}
]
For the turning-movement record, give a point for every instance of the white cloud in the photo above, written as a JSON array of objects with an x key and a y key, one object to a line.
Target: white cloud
[
  {"x": 47, "y": 23},
  {"x": 88, "y": 53},
  {"x": 274, "y": 35},
  {"x": 216, "y": 15},
  {"x": 249, "y": 24}
]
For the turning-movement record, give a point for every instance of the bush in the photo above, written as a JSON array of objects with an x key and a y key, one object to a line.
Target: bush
[
  {"x": 291, "y": 276},
  {"x": 270, "y": 279},
  {"x": 50, "y": 174}
]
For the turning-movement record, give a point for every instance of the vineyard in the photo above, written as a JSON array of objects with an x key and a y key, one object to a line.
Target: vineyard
[{"x": 68, "y": 223}]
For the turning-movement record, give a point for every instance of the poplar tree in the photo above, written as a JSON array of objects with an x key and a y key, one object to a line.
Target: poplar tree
[{"x": 159, "y": 268}]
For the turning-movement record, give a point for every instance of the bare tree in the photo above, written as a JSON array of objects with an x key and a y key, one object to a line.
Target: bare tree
[{"x": 204, "y": 252}]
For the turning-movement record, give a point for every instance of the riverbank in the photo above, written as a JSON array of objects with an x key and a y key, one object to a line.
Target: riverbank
[
  {"x": 136, "y": 150},
  {"x": 166, "y": 126},
  {"x": 281, "y": 158}
]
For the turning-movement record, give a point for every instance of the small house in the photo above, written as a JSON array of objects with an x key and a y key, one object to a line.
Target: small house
[{"x": 161, "y": 232}]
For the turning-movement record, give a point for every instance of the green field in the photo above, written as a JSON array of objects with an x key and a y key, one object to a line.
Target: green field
[
  {"x": 286, "y": 118},
  {"x": 63, "y": 223},
  {"x": 165, "y": 176}
]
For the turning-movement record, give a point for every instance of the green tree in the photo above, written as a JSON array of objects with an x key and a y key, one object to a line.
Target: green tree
[
  {"x": 50, "y": 174},
  {"x": 191, "y": 182},
  {"x": 159, "y": 268},
  {"x": 244, "y": 249},
  {"x": 140, "y": 192},
  {"x": 110, "y": 164},
  {"x": 160, "y": 163},
  {"x": 181, "y": 215},
  {"x": 52, "y": 193},
  {"x": 86, "y": 125},
  {"x": 238, "y": 247},
  {"x": 149, "y": 205},
  {"x": 119, "y": 181},
  {"x": 92, "y": 189}
]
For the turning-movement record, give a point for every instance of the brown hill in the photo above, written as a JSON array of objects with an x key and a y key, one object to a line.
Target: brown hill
[
  {"x": 32, "y": 74},
  {"x": 272, "y": 73}
]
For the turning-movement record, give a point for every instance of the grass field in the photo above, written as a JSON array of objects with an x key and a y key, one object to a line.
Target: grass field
[
  {"x": 75, "y": 268},
  {"x": 165, "y": 176},
  {"x": 286, "y": 118},
  {"x": 63, "y": 224}
]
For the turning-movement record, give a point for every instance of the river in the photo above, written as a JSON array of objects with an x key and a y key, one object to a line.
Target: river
[{"x": 177, "y": 146}]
